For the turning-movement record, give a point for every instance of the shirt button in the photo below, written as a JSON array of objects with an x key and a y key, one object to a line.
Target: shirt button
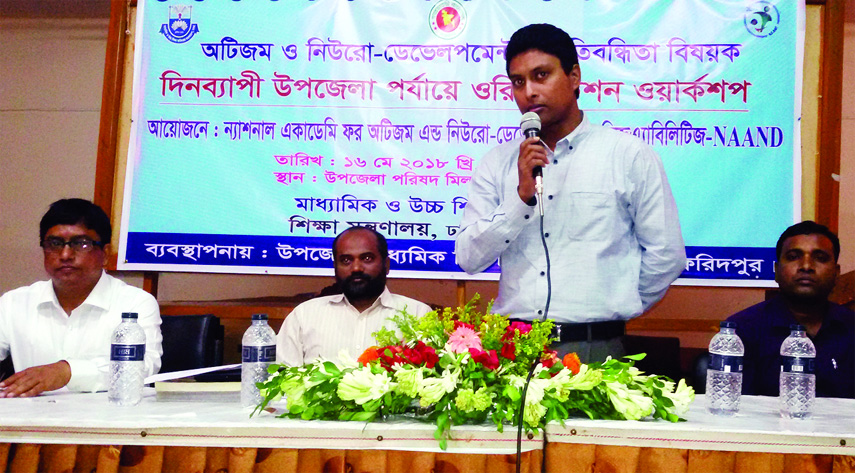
[
  {"x": 546, "y": 235},
  {"x": 507, "y": 241},
  {"x": 543, "y": 273},
  {"x": 540, "y": 312},
  {"x": 550, "y": 197},
  {"x": 571, "y": 148},
  {"x": 554, "y": 161},
  {"x": 526, "y": 217}
]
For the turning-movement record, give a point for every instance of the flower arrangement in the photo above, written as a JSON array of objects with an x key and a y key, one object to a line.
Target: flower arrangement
[{"x": 460, "y": 366}]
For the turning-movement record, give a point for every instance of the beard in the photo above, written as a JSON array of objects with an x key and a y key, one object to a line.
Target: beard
[{"x": 360, "y": 287}]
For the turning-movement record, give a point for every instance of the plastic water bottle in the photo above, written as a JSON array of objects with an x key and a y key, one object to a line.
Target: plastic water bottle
[
  {"x": 724, "y": 373},
  {"x": 127, "y": 362},
  {"x": 259, "y": 351},
  {"x": 797, "y": 381}
]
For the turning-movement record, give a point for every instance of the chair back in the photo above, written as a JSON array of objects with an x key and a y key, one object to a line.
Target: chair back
[
  {"x": 699, "y": 372},
  {"x": 663, "y": 354},
  {"x": 6, "y": 368},
  {"x": 191, "y": 341}
]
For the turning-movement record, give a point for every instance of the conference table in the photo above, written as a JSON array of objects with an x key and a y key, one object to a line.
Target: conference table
[{"x": 83, "y": 432}]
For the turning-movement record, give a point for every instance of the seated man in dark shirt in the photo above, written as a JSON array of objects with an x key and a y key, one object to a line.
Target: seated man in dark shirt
[{"x": 806, "y": 270}]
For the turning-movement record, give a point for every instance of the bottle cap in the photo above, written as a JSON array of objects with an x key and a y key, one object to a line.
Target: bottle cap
[
  {"x": 259, "y": 316},
  {"x": 727, "y": 324},
  {"x": 129, "y": 315},
  {"x": 797, "y": 328}
]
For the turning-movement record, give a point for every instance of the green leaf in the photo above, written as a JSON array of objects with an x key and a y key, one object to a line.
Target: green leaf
[
  {"x": 332, "y": 369},
  {"x": 442, "y": 422},
  {"x": 363, "y": 416},
  {"x": 513, "y": 393}
]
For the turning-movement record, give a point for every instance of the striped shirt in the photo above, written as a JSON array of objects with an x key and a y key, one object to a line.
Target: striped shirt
[{"x": 322, "y": 327}]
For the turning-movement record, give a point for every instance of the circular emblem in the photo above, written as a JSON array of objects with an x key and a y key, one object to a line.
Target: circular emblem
[
  {"x": 447, "y": 19},
  {"x": 762, "y": 19}
]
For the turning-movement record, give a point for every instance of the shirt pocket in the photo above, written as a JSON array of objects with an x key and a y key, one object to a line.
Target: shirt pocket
[{"x": 590, "y": 216}]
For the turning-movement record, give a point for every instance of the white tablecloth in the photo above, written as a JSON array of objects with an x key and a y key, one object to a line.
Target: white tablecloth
[
  {"x": 90, "y": 419},
  {"x": 758, "y": 427}
]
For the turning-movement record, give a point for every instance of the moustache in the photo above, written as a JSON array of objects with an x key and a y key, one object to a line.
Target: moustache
[{"x": 354, "y": 276}]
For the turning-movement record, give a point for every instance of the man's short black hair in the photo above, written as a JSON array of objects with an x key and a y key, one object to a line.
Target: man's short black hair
[
  {"x": 808, "y": 227},
  {"x": 546, "y": 38},
  {"x": 382, "y": 246},
  {"x": 77, "y": 211}
]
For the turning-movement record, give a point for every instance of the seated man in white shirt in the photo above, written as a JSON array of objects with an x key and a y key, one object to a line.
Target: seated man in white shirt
[
  {"x": 322, "y": 327},
  {"x": 58, "y": 331}
]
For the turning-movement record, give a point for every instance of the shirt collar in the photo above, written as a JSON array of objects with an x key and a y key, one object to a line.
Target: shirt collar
[
  {"x": 98, "y": 297},
  {"x": 783, "y": 318},
  {"x": 580, "y": 130},
  {"x": 384, "y": 300}
]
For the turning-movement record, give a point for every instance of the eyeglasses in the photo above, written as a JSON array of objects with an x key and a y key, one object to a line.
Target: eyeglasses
[{"x": 78, "y": 245}]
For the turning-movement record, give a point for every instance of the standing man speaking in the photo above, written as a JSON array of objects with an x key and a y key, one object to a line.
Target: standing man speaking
[{"x": 610, "y": 222}]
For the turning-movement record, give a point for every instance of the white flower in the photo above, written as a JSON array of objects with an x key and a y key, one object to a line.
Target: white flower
[
  {"x": 681, "y": 397},
  {"x": 293, "y": 386},
  {"x": 537, "y": 387},
  {"x": 431, "y": 390},
  {"x": 409, "y": 380},
  {"x": 585, "y": 380},
  {"x": 667, "y": 386},
  {"x": 533, "y": 413},
  {"x": 363, "y": 386},
  {"x": 631, "y": 403},
  {"x": 637, "y": 375},
  {"x": 346, "y": 359}
]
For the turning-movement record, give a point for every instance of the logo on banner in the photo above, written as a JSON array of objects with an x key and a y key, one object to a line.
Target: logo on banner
[
  {"x": 762, "y": 19},
  {"x": 180, "y": 28},
  {"x": 447, "y": 19}
]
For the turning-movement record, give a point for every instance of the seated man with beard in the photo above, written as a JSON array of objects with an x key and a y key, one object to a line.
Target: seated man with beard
[{"x": 322, "y": 327}]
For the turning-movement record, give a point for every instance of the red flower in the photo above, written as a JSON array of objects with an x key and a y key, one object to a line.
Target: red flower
[
  {"x": 393, "y": 355},
  {"x": 458, "y": 324},
  {"x": 413, "y": 356},
  {"x": 549, "y": 358},
  {"x": 487, "y": 358},
  {"x": 421, "y": 354},
  {"x": 523, "y": 328},
  {"x": 430, "y": 356},
  {"x": 390, "y": 356},
  {"x": 509, "y": 351}
]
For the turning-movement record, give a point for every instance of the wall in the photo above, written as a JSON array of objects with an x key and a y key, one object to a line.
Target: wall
[
  {"x": 846, "y": 226},
  {"x": 51, "y": 71}
]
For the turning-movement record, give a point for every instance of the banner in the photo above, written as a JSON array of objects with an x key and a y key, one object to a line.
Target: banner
[{"x": 262, "y": 129}]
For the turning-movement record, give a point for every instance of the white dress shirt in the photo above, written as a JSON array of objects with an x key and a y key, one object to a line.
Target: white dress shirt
[
  {"x": 35, "y": 329},
  {"x": 610, "y": 222},
  {"x": 322, "y": 327}
]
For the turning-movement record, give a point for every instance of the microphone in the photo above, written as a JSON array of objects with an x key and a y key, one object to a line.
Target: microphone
[{"x": 530, "y": 126}]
